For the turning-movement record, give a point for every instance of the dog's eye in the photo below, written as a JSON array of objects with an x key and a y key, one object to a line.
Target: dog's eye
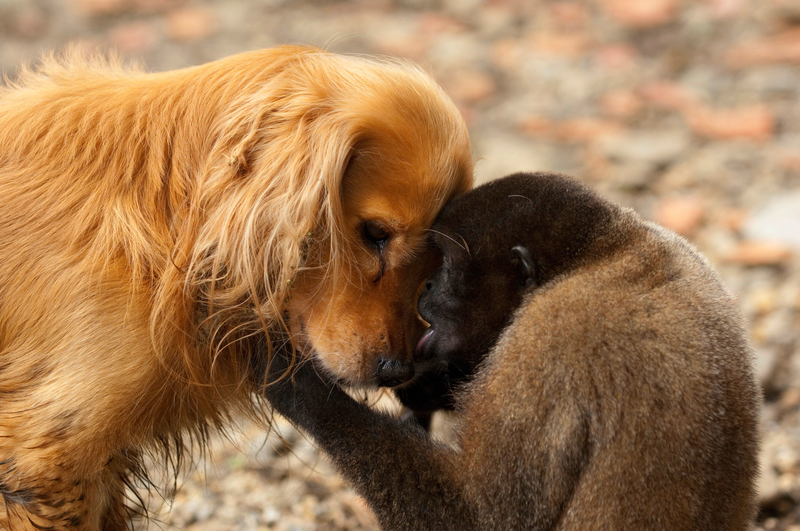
[{"x": 375, "y": 234}]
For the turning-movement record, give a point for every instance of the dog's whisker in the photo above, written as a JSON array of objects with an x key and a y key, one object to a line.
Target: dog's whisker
[{"x": 463, "y": 245}]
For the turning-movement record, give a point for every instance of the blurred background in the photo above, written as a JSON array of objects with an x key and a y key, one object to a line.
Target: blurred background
[{"x": 687, "y": 111}]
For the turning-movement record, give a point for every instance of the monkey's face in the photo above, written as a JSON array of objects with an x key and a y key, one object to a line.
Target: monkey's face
[
  {"x": 468, "y": 301},
  {"x": 496, "y": 241}
]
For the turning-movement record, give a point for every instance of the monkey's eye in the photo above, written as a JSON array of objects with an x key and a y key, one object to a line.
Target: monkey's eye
[{"x": 375, "y": 234}]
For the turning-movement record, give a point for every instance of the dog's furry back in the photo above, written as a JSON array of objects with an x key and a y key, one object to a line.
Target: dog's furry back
[{"x": 148, "y": 223}]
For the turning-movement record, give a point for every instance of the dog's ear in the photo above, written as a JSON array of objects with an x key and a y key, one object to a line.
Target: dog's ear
[
  {"x": 333, "y": 146},
  {"x": 275, "y": 167},
  {"x": 291, "y": 137}
]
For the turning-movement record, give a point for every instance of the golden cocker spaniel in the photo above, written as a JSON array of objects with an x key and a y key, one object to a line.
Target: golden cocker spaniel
[{"x": 151, "y": 224}]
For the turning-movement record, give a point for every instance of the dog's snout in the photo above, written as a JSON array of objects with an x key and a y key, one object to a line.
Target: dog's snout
[{"x": 391, "y": 372}]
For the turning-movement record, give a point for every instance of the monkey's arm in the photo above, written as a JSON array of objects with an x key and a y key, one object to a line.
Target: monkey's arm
[{"x": 408, "y": 479}]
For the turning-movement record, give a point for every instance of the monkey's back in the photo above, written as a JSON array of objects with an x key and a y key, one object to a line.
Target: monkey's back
[{"x": 622, "y": 396}]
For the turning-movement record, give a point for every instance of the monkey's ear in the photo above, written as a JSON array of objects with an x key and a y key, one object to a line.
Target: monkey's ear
[{"x": 527, "y": 265}]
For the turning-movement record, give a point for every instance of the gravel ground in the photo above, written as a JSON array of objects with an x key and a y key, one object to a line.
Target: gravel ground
[{"x": 688, "y": 111}]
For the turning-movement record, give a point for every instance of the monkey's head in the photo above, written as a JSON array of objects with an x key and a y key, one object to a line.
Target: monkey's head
[{"x": 498, "y": 242}]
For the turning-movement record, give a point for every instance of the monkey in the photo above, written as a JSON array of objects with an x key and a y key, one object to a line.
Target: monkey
[{"x": 604, "y": 378}]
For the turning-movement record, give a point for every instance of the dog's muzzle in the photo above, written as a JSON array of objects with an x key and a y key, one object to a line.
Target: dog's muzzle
[{"x": 391, "y": 372}]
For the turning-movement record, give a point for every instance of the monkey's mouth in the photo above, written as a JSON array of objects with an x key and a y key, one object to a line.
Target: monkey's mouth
[{"x": 420, "y": 352}]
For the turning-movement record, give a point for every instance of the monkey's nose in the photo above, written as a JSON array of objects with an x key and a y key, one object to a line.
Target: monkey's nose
[{"x": 391, "y": 373}]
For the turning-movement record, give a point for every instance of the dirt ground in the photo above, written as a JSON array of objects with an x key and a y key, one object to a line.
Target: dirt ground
[{"x": 687, "y": 111}]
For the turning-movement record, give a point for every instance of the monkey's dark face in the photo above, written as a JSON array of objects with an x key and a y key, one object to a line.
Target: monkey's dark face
[
  {"x": 467, "y": 302},
  {"x": 497, "y": 241}
]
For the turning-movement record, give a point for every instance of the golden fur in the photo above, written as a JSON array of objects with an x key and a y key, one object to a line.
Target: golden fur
[{"x": 152, "y": 223}]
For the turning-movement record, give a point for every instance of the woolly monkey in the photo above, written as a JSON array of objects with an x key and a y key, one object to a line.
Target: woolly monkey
[{"x": 602, "y": 377}]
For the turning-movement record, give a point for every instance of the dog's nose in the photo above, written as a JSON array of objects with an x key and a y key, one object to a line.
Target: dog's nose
[{"x": 391, "y": 373}]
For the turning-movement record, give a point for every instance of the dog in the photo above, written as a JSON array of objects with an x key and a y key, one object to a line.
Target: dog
[{"x": 154, "y": 223}]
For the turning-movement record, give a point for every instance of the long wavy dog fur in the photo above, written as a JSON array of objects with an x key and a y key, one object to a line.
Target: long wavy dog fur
[{"x": 152, "y": 224}]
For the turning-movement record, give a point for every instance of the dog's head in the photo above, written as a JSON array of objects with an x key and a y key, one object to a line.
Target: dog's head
[
  {"x": 409, "y": 155},
  {"x": 328, "y": 187}
]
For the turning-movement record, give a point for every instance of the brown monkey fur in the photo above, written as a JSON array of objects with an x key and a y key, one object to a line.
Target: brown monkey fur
[
  {"x": 150, "y": 223},
  {"x": 620, "y": 394}
]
